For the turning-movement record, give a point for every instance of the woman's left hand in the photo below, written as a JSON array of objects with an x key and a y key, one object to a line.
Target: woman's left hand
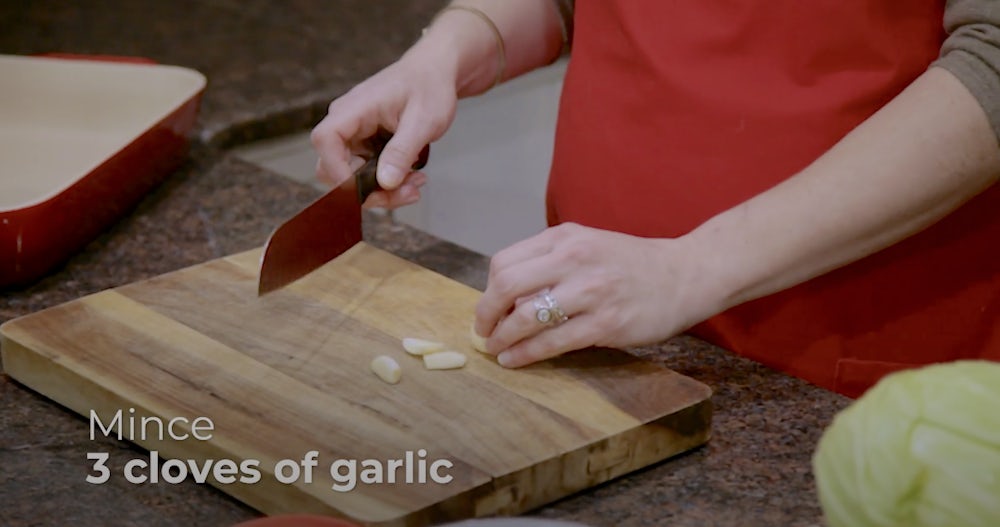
[{"x": 616, "y": 290}]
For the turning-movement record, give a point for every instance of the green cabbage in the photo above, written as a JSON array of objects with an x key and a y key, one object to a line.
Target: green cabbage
[{"x": 920, "y": 449}]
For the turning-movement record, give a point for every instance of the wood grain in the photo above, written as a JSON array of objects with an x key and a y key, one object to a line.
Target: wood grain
[{"x": 288, "y": 373}]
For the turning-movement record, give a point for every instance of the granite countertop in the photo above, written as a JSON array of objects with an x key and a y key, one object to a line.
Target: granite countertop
[{"x": 272, "y": 68}]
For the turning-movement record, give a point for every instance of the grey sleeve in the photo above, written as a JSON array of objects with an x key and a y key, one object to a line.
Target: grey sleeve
[{"x": 972, "y": 51}]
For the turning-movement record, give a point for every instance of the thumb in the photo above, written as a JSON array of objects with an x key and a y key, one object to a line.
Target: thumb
[{"x": 401, "y": 152}]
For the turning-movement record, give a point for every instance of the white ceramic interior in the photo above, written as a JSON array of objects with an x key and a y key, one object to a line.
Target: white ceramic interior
[{"x": 61, "y": 118}]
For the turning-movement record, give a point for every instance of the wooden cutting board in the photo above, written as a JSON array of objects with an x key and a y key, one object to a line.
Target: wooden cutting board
[{"x": 288, "y": 373}]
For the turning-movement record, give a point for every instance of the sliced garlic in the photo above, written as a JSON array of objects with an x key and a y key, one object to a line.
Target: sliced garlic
[
  {"x": 421, "y": 347},
  {"x": 387, "y": 369},
  {"x": 444, "y": 360},
  {"x": 478, "y": 342}
]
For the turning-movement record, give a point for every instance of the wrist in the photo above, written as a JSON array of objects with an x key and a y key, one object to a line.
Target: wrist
[
  {"x": 436, "y": 55},
  {"x": 461, "y": 46},
  {"x": 705, "y": 286}
]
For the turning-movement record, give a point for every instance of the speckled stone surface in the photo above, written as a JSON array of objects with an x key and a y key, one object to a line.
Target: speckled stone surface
[{"x": 272, "y": 68}]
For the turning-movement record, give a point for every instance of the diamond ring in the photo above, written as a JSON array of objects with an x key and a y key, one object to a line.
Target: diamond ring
[{"x": 547, "y": 310}]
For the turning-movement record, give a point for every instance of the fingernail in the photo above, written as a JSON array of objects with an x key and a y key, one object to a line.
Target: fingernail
[
  {"x": 390, "y": 176},
  {"x": 505, "y": 359}
]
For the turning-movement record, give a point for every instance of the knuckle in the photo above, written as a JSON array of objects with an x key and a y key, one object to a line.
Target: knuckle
[
  {"x": 525, "y": 315},
  {"x": 419, "y": 112},
  {"x": 503, "y": 283},
  {"x": 377, "y": 199},
  {"x": 316, "y": 136},
  {"x": 339, "y": 104},
  {"x": 574, "y": 250},
  {"x": 532, "y": 351},
  {"x": 508, "y": 334},
  {"x": 560, "y": 231},
  {"x": 483, "y": 311},
  {"x": 398, "y": 84},
  {"x": 498, "y": 263},
  {"x": 397, "y": 155},
  {"x": 437, "y": 124},
  {"x": 500, "y": 339},
  {"x": 435, "y": 119},
  {"x": 568, "y": 228},
  {"x": 494, "y": 268}
]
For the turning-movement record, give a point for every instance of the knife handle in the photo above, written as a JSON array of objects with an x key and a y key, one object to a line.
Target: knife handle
[{"x": 365, "y": 178}]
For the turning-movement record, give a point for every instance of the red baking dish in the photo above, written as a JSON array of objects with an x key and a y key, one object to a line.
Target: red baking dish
[{"x": 81, "y": 142}]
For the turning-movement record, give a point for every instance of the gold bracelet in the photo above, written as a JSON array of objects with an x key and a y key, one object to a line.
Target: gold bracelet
[{"x": 501, "y": 50}]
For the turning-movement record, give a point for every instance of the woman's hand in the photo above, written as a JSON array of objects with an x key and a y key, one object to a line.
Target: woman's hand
[
  {"x": 415, "y": 98},
  {"x": 617, "y": 290}
]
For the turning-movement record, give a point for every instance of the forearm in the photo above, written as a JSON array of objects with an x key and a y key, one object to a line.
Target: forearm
[
  {"x": 920, "y": 157},
  {"x": 531, "y": 33}
]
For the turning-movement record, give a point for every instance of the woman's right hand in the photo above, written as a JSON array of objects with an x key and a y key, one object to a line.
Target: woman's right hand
[{"x": 415, "y": 98}]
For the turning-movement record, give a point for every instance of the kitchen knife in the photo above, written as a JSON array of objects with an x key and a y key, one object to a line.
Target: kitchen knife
[{"x": 326, "y": 228}]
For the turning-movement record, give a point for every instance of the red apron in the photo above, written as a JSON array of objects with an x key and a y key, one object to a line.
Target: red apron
[{"x": 674, "y": 111}]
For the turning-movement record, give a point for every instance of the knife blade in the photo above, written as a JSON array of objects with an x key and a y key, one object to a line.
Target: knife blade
[{"x": 326, "y": 228}]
